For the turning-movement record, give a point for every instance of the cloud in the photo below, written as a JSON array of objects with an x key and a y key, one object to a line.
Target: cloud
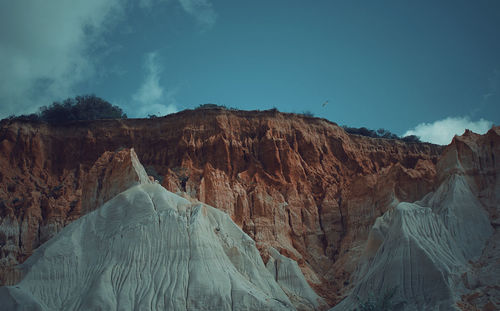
[
  {"x": 151, "y": 98},
  {"x": 48, "y": 48},
  {"x": 441, "y": 132},
  {"x": 45, "y": 48},
  {"x": 150, "y": 89},
  {"x": 201, "y": 10},
  {"x": 145, "y": 4},
  {"x": 148, "y": 4}
]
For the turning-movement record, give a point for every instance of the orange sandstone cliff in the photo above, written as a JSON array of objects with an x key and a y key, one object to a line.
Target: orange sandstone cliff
[{"x": 299, "y": 184}]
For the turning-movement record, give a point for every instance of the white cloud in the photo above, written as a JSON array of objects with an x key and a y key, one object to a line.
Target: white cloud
[
  {"x": 150, "y": 89},
  {"x": 201, "y": 10},
  {"x": 48, "y": 47},
  {"x": 151, "y": 98},
  {"x": 45, "y": 48},
  {"x": 441, "y": 132}
]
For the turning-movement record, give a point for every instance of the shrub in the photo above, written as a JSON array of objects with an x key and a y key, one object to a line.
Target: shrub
[
  {"x": 210, "y": 106},
  {"x": 361, "y": 131},
  {"x": 86, "y": 107},
  {"x": 386, "y": 134},
  {"x": 411, "y": 139},
  {"x": 308, "y": 113},
  {"x": 215, "y": 106},
  {"x": 274, "y": 110},
  {"x": 380, "y": 133},
  {"x": 28, "y": 117}
]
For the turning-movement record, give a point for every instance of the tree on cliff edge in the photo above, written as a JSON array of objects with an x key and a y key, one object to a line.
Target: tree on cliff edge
[{"x": 86, "y": 107}]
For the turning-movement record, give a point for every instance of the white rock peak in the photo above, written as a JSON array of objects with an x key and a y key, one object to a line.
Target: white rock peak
[
  {"x": 149, "y": 249},
  {"x": 421, "y": 251}
]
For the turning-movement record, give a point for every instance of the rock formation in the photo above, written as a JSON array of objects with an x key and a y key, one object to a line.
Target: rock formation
[
  {"x": 297, "y": 184},
  {"x": 287, "y": 273},
  {"x": 111, "y": 174},
  {"x": 431, "y": 254},
  {"x": 148, "y": 248}
]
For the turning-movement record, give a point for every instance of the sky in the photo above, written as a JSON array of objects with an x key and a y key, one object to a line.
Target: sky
[{"x": 425, "y": 68}]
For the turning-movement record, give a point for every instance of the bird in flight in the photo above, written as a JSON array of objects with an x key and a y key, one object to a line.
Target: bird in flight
[{"x": 325, "y": 103}]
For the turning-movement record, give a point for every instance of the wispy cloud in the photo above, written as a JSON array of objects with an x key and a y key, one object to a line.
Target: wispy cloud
[
  {"x": 48, "y": 47},
  {"x": 45, "y": 48},
  {"x": 201, "y": 10},
  {"x": 145, "y": 3},
  {"x": 150, "y": 89},
  {"x": 151, "y": 97},
  {"x": 441, "y": 132},
  {"x": 148, "y": 4}
]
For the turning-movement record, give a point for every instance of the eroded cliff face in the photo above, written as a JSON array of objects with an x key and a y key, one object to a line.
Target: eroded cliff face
[
  {"x": 478, "y": 156},
  {"x": 441, "y": 252},
  {"x": 300, "y": 185}
]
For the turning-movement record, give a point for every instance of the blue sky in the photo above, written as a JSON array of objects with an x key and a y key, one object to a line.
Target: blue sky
[{"x": 412, "y": 67}]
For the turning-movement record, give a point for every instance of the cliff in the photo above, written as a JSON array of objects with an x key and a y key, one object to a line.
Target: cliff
[
  {"x": 441, "y": 252},
  {"x": 297, "y": 184}
]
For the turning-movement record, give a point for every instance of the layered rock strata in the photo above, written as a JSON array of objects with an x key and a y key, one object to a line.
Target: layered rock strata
[{"x": 300, "y": 185}]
